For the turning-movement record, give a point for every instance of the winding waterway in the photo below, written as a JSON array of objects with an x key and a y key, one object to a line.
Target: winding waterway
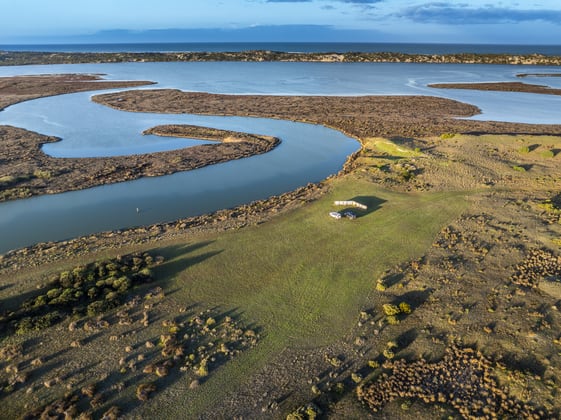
[{"x": 308, "y": 153}]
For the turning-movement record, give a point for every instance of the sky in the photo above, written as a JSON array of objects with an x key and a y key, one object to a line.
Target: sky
[{"x": 472, "y": 21}]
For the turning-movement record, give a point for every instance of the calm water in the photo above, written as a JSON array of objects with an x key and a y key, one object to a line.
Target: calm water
[
  {"x": 328, "y": 79},
  {"x": 308, "y": 153},
  {"x": 408, "y": 48}
]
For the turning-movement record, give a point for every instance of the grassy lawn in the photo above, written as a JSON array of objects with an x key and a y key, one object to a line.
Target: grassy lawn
[
  {"x": 390, "y": 148},
  {"x": 303, "y": 277}
]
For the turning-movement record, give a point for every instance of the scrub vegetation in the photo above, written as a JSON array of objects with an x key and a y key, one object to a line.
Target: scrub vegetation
[
  {"x": 9, "y": 58},
  {"x": 440, "y": 300}
]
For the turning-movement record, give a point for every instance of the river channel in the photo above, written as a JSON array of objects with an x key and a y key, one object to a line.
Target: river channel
[{"x": 308, "y": 153}]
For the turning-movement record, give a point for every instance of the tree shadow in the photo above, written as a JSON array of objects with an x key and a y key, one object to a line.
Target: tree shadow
[
  {"x": 6, "y": 286},
  {"x": 526, "y": 363},
  {"x": 405, "y": 339},
  {"x": 174, "y": 251},
  {"x": 556, "y": 200},
  {"x": 178, "y": 259},
  {"x": 12, "y": 303},
  {"x": 414, "y": 298},
  {"x": 393, "y": 278},
  {"x": 408, "y": 142},
  {"x": 525, "y": 166}
]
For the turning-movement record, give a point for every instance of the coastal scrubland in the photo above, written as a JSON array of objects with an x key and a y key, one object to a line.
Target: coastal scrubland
[
  {"x": 18, "y": 58},
  {"x": 442, "y": 299}
]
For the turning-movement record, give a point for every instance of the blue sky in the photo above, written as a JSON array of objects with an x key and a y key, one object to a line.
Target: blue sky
[{"x": 474, "y": 21}]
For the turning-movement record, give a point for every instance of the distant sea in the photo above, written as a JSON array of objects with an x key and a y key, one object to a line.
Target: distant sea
[{"x": 304, "y": 47}]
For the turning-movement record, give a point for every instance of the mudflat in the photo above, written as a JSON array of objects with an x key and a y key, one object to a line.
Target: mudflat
[{"x": 501, "y": 87}]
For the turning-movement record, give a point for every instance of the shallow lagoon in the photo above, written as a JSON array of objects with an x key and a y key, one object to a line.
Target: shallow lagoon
[{"x": 308, "y": 153}]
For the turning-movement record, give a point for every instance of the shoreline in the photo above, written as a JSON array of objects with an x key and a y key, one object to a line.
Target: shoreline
[
  {"x": 9, "y": 58},
  {"x": 411, "y": 119},
  {"x": 501, "y": 87},
  {"x": 408, "y": 117},
  {"x": 27, "y": 171}
]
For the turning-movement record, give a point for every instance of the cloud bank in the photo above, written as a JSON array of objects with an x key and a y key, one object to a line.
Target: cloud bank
[{"x": 452, "y": 13}]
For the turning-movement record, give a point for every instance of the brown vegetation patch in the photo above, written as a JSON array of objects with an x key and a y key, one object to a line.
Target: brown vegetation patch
[
  {"x": 133, "y": 348},
  {"x": 538, "y": 75},
  {"x": 361, "y": 117},
  {"x": 462, "y": 379},
  {"x": 14, "y": 58},
  {"x": 28, "y": 171},
  {"x": 500, "y": 87},
  {"x": 540, "y": 264},
  {"x": 247, "y": 144},
  {"x": 23, "y": 88}
]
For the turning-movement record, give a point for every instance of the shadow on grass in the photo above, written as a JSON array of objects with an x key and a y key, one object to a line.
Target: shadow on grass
[
  {"x": 178, "y": 259},
  {"x": 12, "y": 303},
  {"x": 523, "y": 167},
  {"x": 393, "y": 279},
  {"x": 373, "y": 203},
  {"x": 408, "y": 142}
]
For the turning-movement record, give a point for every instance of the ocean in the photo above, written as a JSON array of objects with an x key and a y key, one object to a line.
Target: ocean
[{"x": 303, "y": 47}]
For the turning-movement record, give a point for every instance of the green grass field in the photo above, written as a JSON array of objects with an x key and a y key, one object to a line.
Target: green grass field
[{"x": 302, "y": 278}]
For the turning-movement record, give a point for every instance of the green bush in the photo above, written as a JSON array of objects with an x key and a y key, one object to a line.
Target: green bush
[
  {"x": 78, "y": 292},
  {"x": 122, "y": 284},
  {"x": 100, "y": 306},
  {"x": 24, "y": 326},
  {"x": 42, "y": 174},
  {"x": 111, "y": 296},
  {"x": 93, "y": 292},
  {"x": 66, "y": 279},
  {"x": 54, "y": 293},
  {"x": 390, "y": 309},
  {"x": 7, "y": 180},
  {"x": 37, "y": 323},
  {"x": 40, "y": 301},
  {"x": 405, "y": 308}
]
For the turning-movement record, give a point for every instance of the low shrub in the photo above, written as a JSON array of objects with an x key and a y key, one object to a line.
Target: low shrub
[{"x": 85, "y": 290}]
